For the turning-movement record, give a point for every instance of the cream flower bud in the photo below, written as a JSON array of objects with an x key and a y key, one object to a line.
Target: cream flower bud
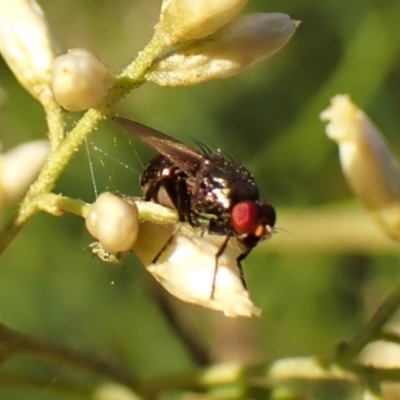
[
  {"x": 241, "y": 43},
  {"x": 81, "y": 80},
  {"x": 194, "y": 19},
  {"x": 26, "y": 44},
  {"x": 371, "y": 170},
  {"x": 185, "y": 267},
  {"x": 113, "y": 391},
  {"x": 113, "y": 220},
  {"x": 19, "y": 168}
]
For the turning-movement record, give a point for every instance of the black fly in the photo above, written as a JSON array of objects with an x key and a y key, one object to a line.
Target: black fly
[{"x": 208, "y": 189}]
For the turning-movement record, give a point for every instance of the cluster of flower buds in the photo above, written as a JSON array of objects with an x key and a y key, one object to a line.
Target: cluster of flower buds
[
  {"x": 202, "y": 39},
  {"x": 372, "y": 171},
  {"x": 18, "y": 169},
  {"x": 78, "y": 80},
  {"x": 206, "y": 42}
]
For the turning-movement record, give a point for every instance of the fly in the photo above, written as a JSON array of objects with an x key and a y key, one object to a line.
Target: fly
[{"x": 208, "y": 189}]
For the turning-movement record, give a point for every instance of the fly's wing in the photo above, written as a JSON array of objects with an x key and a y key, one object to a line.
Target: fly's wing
[{"x": 180, "y": 154}]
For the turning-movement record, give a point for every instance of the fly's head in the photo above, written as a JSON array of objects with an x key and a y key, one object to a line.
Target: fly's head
[{"x": 252, "y": 221}]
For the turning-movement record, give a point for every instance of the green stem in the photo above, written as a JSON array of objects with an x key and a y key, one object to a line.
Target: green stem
[
  {"x": 56, "y": 204},
  {"x": 373, "y": 329},
  {"x": 391, "y": 337},
  {"x": 55, "y": 123},
  {"x": 19, "y": 383},
  {"x": 131, "y": 77},
  {"x": 13, "y": 342}
]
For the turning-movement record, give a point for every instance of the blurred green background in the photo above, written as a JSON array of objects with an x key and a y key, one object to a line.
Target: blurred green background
[{"x": 267, "y": 117}]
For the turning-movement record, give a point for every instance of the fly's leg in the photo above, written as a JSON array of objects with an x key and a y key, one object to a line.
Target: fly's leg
[
  {"x": 175, "y": 186},
  {"x": 167, "y": 243},
  {"x": 217, "y": 256},
  {"x": 239, "y": 260}
]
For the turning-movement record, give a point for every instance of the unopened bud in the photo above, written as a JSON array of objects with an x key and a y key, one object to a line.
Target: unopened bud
[
  {"x": 193, "y": 19},
  {"x": 113, "y": 220},
  {"x": 371, "y": 170},
  {"x": 243, "y": 42},
  {"x": 113, "y": 391},
  {"x": 26, "y": 44},
  {"x": 184, "y": 263},
  {"x": 19, "y": 168},
  {"x": 81, "y": 80}
]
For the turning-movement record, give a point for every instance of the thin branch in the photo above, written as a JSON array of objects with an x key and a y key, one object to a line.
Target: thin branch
[
  {"x": 13, "y": 342},
  {"x": 56, "y": 204},
  {"x": 373, "y": 329},
  {"x": 185, "y": 332},
  {"x": 22, "y": 383},
  {"x": 389, "y": 337},
  {"x": 55, "y": 122}
]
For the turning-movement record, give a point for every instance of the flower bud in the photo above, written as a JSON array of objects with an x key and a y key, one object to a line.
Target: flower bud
[
  {"x": 113, "y": 220},
  {"x": 184, "y": 263},
  {"x": 371, "y": 170},
  {"x": 26, "y": 44},
  {"x": 19, "y": 168},
  {"x": 241, "y": 43},
  {"x": 193, "y": 19},
  {"x": 113, "y": 391},
  {"x": 81, "y": 80}
]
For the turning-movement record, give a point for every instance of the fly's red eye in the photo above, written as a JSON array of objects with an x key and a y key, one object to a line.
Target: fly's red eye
[{"x": 244, "y": 216}]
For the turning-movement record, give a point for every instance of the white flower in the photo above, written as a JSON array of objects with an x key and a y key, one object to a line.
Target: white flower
[
  {"x": 184, "y": 263},
  {"x": 19, "y": 168},
  {"x": 113, "y": 220},
  {"x": 26, "y": 44},
  {"x": 194, "y": 19},
  {"x": 80, "y": 80},
  {"x": 243, "y": 42},
  {"x": 371, "y": 170}
]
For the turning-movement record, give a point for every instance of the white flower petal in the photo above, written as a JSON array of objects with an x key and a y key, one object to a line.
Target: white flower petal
[{"x": 186, "y": 268}]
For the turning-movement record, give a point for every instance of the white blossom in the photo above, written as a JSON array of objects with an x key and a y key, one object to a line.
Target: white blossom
[
  {"x": 185, "y": 266},
  {"x": 371, "y": 170}
]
